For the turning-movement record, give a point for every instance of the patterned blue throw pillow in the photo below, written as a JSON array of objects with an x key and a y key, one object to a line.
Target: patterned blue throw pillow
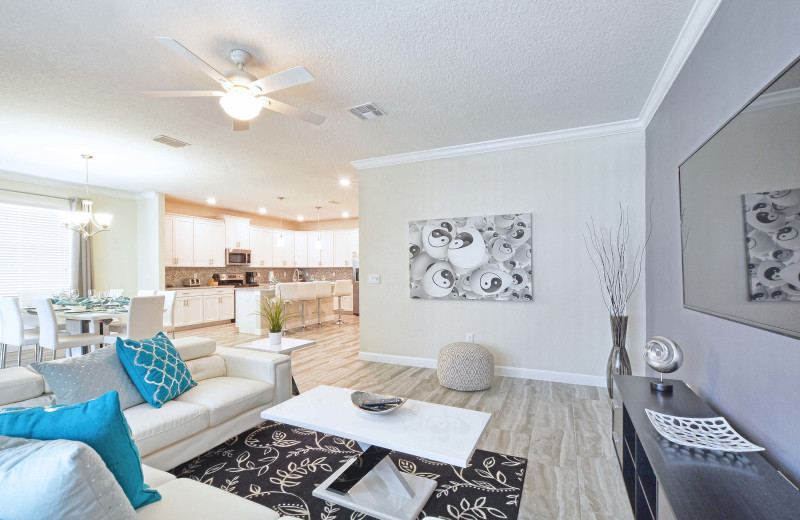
[{"x": 155, "y": 367}]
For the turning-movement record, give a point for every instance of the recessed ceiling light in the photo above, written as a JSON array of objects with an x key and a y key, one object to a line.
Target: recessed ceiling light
[
  {"x": 211, "y": 200},
  {"x": 263, "y": 211},
  {"x": 345, "y": 214},
  {"x": 344, "y": 182},
  {"x": 300, "y": 218}
]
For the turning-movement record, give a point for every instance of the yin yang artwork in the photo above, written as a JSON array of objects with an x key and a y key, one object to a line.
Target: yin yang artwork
[
  {"x": 472, "y": 258},
  {"x": 772, "y": 221}
]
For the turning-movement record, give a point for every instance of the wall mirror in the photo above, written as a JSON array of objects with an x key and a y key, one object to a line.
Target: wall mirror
[{"x": 740, "y": 214}]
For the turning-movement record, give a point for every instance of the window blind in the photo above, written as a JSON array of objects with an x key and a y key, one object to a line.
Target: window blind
[{"x": 35, "y": 250}]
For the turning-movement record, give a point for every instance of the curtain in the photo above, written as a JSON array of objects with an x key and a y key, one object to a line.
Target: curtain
[{"x": 81, "y": 257}]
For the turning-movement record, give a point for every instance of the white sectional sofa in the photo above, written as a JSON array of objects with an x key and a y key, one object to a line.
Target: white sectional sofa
[{"x": 233, "y": 387}]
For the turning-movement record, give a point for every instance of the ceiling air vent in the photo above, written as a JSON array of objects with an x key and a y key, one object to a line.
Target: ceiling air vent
[
  {"x": 169, "y": 141},
  {"x": 367, "y": 111}
]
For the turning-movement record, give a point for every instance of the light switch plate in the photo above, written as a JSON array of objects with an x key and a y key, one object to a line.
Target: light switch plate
[{"x": 374, "y": 278}]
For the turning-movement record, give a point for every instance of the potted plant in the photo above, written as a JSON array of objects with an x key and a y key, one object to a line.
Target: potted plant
[{"x": 273, "y": 311}]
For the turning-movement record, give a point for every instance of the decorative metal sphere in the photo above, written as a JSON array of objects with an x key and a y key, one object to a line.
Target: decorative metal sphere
[{"x": 663, "y": 355}]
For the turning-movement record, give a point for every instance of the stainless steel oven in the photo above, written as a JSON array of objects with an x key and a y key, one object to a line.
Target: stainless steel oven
[{"x": 237, "y": 257}]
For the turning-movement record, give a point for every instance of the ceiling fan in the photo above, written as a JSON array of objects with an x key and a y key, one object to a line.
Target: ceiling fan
[{"x": 244, "y": 95}]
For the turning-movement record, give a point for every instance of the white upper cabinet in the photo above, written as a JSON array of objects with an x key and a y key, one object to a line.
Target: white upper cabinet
[
  {"x": 209, "y": 243},
  {"x": 179, "y": 240},
  {"x": 326, "y": 254},
  {"x": 261, "y": 245},
  {"x": 237, "y": 232},
  {"x": 341, "y": 248},
  {"x": 353, "y": 241},
  {"x": 283, "y": 256},
  {"x": 301, "y": 249}
]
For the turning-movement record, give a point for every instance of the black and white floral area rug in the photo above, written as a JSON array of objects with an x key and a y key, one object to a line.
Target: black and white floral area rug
[{"x": 279, "y": 466}]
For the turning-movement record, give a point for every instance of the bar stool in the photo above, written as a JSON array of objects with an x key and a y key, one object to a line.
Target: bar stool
[
  {"x": 342, "y": 288},
  {"x": 306, "y": 292},
  {"x": 288, "y": 293},
  {"x": 323, "y": 289}
]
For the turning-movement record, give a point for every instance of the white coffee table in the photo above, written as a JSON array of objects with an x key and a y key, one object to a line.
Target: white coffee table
[
  {"x": 286, "y": 346},
  {"x": 371, "y": 483}
]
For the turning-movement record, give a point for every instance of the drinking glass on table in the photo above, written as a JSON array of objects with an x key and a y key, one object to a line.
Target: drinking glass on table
[
  {"x": 92, "y": 294},
  {"x": 74, "y": 294}
]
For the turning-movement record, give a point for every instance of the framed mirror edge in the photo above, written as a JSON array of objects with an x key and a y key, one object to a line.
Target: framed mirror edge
[{"x": 736, "y": 319}]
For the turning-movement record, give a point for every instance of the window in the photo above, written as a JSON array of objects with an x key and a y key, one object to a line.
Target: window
[{"x": 35, "y": 249}]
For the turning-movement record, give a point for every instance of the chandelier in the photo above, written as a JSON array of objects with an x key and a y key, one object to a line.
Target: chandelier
[{"x": 84, "y": 221}]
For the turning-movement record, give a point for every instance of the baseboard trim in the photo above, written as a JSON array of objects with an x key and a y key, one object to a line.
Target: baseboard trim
[{"x": 522, "y": 373}]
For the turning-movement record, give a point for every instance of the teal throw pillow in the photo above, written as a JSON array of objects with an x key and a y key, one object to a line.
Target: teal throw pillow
[{"x": 155, "y": 367}]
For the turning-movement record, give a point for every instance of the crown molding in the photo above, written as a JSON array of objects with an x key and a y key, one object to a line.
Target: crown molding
[
  {"x": 699, "y": 17},
  {"x": 696, "y": 22},
  {"x": 774, "y": 99},
  {"x": 55, "y": 183},
  {"x": 508, "y": 143}
]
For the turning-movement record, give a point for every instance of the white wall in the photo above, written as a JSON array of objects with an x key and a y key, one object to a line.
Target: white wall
[
  {"x": 564, "y": 333},
  {"x": 150, "y": 238}
]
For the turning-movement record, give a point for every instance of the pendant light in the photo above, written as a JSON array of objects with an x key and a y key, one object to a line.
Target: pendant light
[
  {"x": 84, "y": 221},
  {"x": 318, "y": 243},
  {"x": 281, "y": 242}
]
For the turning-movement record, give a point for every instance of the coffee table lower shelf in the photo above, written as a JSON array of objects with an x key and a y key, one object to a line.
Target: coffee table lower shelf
[{"x": 384, "y": 492}]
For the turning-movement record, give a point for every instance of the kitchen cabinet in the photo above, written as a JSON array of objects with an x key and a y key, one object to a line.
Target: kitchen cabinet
[
  {"x": 209, "y": 243},
  {"x": 261, "y": 245},
  {"x": 179, "y": 240},
  {"x": 322, "y": 257},
  {"x": 301, "y": 248},
  {"x": 205, "y": 305},
  {"x": 353, "y": 242},
  {"x": 345, "y": 245},
  {"x": 189, "y": 309},
  {"x": 237, "y": 232},
  {"x": 283, "y": 256},
  {"x": 217, "y": 305}
]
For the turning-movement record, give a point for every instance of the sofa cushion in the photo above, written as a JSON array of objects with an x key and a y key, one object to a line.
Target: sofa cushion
[
  {"x": 194, "y": 347},
  {"x": 155, "y": 477},
  {"x": 42, "y": 400},
  {"x": 186, "y": 498},
  {"x": 227, "y": 397},
  {"x": 154, "y": 428},
  {"x": 98, "y": 423},
  {"x": 206, "y": 367},
  {"x": 19, "y": 384},
  {"x": 57, "y": 480},
  {"x": 82, "y": 378},
  {"x": 156, "y": 368}
]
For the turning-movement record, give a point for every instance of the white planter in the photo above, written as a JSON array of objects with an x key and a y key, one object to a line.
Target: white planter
[{"x": 275, "y": 338}]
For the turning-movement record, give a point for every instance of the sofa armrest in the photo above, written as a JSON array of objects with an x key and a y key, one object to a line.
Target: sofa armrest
[{"x": 275, "y": 369}]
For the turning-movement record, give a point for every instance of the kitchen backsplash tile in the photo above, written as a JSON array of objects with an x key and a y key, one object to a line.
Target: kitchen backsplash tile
[{"x": 175, "y": 275}]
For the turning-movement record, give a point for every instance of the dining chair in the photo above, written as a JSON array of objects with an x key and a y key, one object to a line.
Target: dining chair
[
  {"x": 169, "y": 311},
  {"x": 146, "y": 292},
  {"x": 49, "y": 337},
  {"x": 13, "y": 332},
  {"x": 145, "y": 319},
  {"x": 342, "y": 288}
]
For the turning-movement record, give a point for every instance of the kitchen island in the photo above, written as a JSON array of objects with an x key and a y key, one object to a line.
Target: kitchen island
[{"x": 249, "y": 321}]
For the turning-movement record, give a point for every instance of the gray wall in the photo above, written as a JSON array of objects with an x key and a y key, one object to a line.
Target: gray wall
[{"x": 749, "y": 375}]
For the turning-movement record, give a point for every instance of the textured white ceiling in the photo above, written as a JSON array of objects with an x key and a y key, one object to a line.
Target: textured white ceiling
[{"x": 447, "y": 73}]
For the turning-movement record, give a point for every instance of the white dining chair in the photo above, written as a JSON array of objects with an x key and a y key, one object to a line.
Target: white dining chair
[
  {"x": 342, "y": 288},
  {"x": 169, "y": 311},
  {"x": 49, "y": 337},
  {"x": 146, "y": 292},
  {"x": 145, "y": 319},
  {"x": 13, "y": 332},
  {"x": 323, "y": 290}
]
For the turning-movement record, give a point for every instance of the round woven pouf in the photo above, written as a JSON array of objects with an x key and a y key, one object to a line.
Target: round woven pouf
[{"x": 465, "y": 366}]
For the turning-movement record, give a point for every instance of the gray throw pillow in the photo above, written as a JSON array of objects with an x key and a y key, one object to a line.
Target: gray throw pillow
[{"x": 82, "y": 378}]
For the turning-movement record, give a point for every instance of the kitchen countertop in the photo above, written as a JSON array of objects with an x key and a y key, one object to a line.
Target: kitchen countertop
[{"x": 235, "y": 287}]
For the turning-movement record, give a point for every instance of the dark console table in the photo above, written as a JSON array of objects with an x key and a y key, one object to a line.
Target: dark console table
[{"x": 667, "y": 481}]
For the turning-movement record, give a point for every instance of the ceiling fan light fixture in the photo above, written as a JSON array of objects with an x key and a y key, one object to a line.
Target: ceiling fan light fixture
[{"x": 240, "y": 103}]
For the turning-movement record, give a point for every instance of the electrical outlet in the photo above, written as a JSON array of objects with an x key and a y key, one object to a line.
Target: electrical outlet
[
  {"x": 470, "y": 337},
  {"x": 374, "y": 278}
]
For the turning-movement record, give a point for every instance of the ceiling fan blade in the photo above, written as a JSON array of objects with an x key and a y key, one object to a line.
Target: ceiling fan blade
[
  {"x": 281, "y": 80},
  {"x": 292, "y": 111},
  {"x": 239, "y": 125},
  {"x": 189, "y": 56},
  {"x": 183, "y": 93}
]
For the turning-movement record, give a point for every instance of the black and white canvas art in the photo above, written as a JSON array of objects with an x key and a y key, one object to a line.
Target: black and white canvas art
[
  {"x": 471, "y": 258},
  {"x": 773, "y": 245}
]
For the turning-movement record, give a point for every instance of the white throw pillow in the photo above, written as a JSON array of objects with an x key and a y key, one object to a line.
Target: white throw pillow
[{"x": 58, "y": 480}]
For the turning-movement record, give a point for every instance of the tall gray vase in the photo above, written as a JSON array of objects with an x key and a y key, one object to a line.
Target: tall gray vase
[{"x": 618, "y": 360}]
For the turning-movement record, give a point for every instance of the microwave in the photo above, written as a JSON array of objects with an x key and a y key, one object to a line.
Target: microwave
[{"x": 237, "y": 257}]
